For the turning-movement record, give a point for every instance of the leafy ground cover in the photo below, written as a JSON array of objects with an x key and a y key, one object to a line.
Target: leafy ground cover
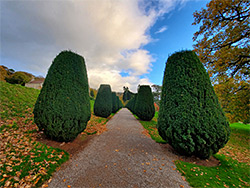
[
  {"x": 23, "y": 160},
  {"x": 234, "y": 160}
]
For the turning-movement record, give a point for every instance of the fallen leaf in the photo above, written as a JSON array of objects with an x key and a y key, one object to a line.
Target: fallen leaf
[
  {"x": 68, "y": 186},
  {"x": 7, "y": 183},
  {"x": 117, "y": 150},
  {"x": 16, "y": 178}
]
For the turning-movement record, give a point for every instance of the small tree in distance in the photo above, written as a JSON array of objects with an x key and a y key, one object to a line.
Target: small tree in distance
[
  {"x": 144, "y": 105},
  {"x": 103, "y": 103}
]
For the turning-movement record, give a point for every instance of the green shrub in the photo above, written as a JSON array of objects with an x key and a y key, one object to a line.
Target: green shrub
[
  {"x": 114, "y": 103},
  {"x": 119, "y": 103},
  {"x": 144, "y": 105},
  {"x": 62, "y": 109},
  {"x": 92, "y": 94},
  {"x": 190, "y": 117},
  {"x": 103, "y": 103},
  {"x": 19, "y": 78},
  {"x": 131, "y": 104},
  {"x": 127, "y": 95}
]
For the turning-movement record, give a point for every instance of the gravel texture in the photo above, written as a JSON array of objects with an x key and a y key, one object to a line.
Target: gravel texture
[{"x": 121, "y": 157}]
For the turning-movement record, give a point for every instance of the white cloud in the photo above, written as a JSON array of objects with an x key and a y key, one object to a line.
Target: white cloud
[
  {"x": 109, "y": 34},
  {"x": 162, "y": 29}
]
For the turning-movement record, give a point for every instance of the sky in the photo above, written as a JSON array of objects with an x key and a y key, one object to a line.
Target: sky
[{"x": 123, "y": 42}]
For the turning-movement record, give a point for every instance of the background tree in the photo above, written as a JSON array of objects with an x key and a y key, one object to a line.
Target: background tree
[
  {"x": 92, "y": 93},
  {"x": 19, "y": 78},
  {"x": 156, "y": 90},
  {"x": 234, "y": 97},
  {"x": 223, "y": 39},
  {"x": 62, "y": 109},
  {"x": 131, "y": 104},
  {"x": 103, "y": 103},
  {"x": 3, "y": 74},
  {"x": 144, "y": 104},
  {"x": 114, "y": 103},
  {"x": 127, "y": 95}
]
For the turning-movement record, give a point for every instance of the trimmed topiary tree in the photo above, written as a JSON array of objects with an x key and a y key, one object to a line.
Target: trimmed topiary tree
[
  {"x": 144, "y": 105},
  {"x": 190, "y": 116},
  {"x": 114, "y": 103},
  {"x": 103, "y": 103},
  {"x": 120, "y": 105},
  {"x": 131, "y": 104},
  {"x": 62, "y": 109}
]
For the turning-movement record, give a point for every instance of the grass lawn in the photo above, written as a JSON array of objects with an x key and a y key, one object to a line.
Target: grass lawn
[
  {"x": 234, "y": 168},
  {"x": 23, "y": 160}
]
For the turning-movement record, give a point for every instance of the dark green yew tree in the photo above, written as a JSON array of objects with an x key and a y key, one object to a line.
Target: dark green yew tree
[
  {"x": 131, "y": 104},
  {"x": 144, "y": 105},
  {"x": 62, "y": 109},
  {"x": 114, "y": 103},
  {"x": 103, "y": 103},
  {"x": 120, "y": 105},
  {"x": 190, "y": 116}
]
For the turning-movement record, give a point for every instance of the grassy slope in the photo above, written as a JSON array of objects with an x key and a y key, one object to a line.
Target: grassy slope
[
  {"x": 232, "y": 172},
  {"x": 15, "y": 100},
  {"x": 23, "y": 161}
]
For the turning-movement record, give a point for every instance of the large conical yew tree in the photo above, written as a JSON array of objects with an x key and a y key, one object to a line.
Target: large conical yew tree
[
  {"x": 190, "y": 116},
  {"x": 103, "y": 103},
  {"x": 144, "y": 104},
  {"x": 62, "y": 109}
]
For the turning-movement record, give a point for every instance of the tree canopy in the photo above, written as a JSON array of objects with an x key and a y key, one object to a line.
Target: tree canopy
[
  {"x": 223, "y": 37},
  {"x": 127, "y": 95}
]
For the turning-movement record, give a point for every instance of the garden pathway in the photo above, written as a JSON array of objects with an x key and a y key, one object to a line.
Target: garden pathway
[{"x": 121, "y": 157}]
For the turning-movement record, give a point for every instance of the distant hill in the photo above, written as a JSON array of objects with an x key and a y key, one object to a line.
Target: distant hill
[{"x": 16, "y": 77}]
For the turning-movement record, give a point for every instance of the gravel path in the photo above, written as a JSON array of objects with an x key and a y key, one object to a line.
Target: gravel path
[{"x": 121, "y": 157}]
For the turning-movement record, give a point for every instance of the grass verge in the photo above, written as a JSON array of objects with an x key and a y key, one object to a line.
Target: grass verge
[
  {"x": 234, "y": 168},
  {"x": 150, "y": 126},
  {"x": 230, "y": 173}
]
